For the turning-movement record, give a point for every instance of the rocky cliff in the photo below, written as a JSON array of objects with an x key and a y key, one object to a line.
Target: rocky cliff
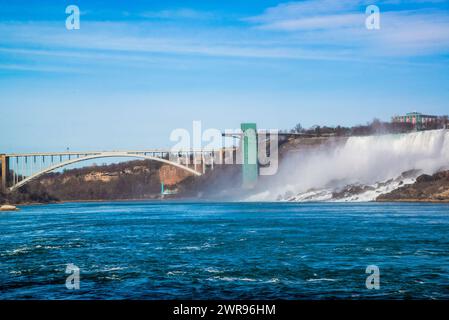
[
  {"x": 126, "y": 180},
  {"x": 427, "y": 188}
]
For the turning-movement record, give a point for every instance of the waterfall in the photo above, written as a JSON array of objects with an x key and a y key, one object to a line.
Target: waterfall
[{"x": 373, "y": 164}]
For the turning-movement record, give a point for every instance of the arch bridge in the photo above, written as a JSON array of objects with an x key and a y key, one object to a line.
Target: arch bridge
[{"x": 19, "y": 169}]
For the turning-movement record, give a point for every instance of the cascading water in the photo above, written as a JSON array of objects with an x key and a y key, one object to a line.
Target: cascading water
[{"x": 360, "y": 169}]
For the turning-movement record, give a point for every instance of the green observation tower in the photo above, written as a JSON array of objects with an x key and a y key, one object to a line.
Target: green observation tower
[{"x": 250, "y": 165}]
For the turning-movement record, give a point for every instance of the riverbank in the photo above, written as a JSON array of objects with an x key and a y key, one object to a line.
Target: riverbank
[
  {"x": 193, "y": 200},
  {"x": 141, "y": 180},
  {"x": 8, "y": 207},
  {"x": 85, "y": 201},
  {"x": 413, "y": 201},
  {"x": 427, "y": 188}
]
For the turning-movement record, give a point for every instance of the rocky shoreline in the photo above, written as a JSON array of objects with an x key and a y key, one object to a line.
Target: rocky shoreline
[
  {"x": 427, "y": 188},
  {"x": 136, "y": 181},
  {"x": 8, "y": 207}
]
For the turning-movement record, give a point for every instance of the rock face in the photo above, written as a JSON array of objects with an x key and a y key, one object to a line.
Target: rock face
[
  {"x": 127, "y": 180},
  {"x": 171, "y": 175},
  {"x": 8, "y": 208},
  {"x": 426, "y": 188}
]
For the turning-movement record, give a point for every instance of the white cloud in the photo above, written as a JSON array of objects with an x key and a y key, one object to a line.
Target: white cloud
[
  {"x": 316, "y": 22},
  {"x": 183, "y": 13},
  {"x": 116, "y": 38},
  {"x": 342, "y": 24},
  {"x": 46, "y": 69},
  {"x": 295, "y": 10},
  {"x": 312, "y": 30}
]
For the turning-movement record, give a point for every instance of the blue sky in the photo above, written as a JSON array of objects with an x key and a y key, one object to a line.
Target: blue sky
[{"x": 136, "y": 70}]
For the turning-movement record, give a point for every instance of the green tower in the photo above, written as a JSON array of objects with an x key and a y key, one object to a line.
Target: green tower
[{"x": 250, "y": 165}]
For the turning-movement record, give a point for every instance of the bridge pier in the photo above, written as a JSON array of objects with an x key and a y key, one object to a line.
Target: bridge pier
[{"x": 4, "y": 173}]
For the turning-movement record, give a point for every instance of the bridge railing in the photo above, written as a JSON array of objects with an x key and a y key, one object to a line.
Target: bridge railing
[{"x": 19, "y": 168}]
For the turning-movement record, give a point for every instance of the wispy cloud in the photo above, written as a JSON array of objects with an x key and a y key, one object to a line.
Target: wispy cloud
[
  {"x": 45, "y": 69},
  {"x": 342, "y": 24},
  {"x": 104, "y": 39},
  {"x": 316, "y": 22},
  {"x": 306, "y": 30},
  {"x": 305, "y": 8},
  {"x": 182, "y": 13}
]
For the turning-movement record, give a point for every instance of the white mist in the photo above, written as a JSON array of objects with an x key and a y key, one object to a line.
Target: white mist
[{"x": 359, "y": 160}]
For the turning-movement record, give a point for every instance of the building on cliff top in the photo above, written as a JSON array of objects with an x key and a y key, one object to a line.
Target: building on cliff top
[
  {"x": 421, "y": 121},
  {"x": 415, "y": 118}
]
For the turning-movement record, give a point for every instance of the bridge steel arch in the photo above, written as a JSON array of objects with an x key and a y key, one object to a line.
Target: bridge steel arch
[{"x": 101, "y": 155}]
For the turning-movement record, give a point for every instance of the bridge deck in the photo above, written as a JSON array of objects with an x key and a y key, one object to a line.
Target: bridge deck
[
  {"x": 68, "y": 153},
  {"x": 19, "y": 168}
]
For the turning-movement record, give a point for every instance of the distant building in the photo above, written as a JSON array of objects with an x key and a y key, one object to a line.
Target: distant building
[{"x": 415, "y": 118}]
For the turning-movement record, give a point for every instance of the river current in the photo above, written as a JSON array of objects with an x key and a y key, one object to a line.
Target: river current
[{"x": 176, "y": 250}]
